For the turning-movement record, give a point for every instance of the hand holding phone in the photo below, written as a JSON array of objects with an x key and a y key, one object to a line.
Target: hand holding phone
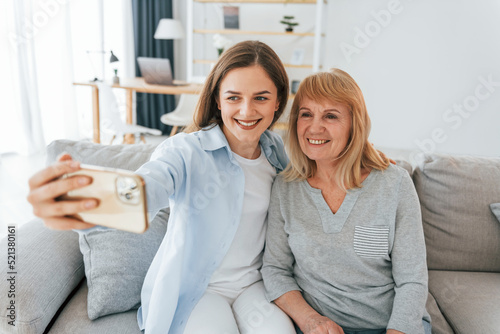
[{"x": 121, "y": 195}]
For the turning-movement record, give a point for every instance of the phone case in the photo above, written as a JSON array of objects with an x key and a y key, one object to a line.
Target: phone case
[{"x": 121, "y": 195}]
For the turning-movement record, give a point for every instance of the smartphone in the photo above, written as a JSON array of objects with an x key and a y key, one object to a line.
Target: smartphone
[{"x": 121, "y": 195}]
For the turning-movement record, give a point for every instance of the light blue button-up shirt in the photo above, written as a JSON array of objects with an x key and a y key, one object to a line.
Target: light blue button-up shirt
[{"x": 197, "y": 176}]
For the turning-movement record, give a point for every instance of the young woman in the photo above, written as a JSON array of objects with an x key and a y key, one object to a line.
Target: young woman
[
  {"x": 217, "y": 181},
  {"x": 345, "y": 251}
]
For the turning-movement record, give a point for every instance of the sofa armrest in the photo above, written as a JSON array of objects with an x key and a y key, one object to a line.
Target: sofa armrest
[{"x": 48, "y": 267}]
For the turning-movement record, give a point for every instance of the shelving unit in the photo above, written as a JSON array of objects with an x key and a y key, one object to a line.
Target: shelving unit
[
  {"x": 206, "y": 61},
  {"x": 247, "y": 32},
  {"x": 318, "y": 33},
  {"x": 259, "y": 1}
]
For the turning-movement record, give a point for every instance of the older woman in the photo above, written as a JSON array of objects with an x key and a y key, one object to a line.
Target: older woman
[{"x": 345, "y": 248}]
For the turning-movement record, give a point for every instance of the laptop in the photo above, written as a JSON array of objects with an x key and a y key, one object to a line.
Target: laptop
[{"x": 157, "y": 71}]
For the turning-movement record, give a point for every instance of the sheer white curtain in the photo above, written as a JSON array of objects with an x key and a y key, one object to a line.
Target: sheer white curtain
[
  {"x": 20, "y": 123},
  {"x": 46, "y": 44}
]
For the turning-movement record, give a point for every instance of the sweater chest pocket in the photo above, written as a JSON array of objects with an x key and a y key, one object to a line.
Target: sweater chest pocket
[{"x": 371, "y": 241}]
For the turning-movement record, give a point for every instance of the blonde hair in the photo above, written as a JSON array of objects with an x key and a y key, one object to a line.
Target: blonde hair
[
  {"x": 243, "y": 54},
  {"x": 335, "y": 85}
]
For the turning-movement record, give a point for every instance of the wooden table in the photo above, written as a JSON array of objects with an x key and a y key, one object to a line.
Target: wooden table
[{"x": 132, "y": 85}]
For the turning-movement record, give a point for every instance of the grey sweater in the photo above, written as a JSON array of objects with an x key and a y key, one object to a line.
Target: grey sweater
[{"x": 363, "y": 267}]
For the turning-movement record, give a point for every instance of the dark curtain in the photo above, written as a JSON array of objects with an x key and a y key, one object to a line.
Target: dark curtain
[{"x": 147, "y": 14}]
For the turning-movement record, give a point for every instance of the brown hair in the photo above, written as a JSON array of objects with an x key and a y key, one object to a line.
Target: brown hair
[
  {"x": 243, "y": 54},
  {"x": 335, "y": 85}
]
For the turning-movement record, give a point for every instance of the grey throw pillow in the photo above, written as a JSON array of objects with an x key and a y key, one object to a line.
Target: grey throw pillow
[
  {"x": 116, "y": 263},
  {"x": 495, "y": 208},
  {"x": 455, "y": 194},
  {"x": 48, "y": 266}
]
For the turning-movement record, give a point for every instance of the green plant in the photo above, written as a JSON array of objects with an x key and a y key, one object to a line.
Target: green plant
[{"x": 289, "y": 22}]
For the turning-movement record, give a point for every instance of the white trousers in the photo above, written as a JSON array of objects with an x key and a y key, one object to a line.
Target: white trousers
[{"x": 247, "y": 313}]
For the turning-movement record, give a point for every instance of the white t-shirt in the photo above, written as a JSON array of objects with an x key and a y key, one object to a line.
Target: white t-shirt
[{"x": 241, "y": 265}]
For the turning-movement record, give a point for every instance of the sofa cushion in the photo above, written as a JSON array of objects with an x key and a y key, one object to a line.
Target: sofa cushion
[
  {"x": 439, "y": 323},
  {"x": 455, "y": 193},
  {"x": 495, "y": 208},
  {"x": 48, "y": 267},
  {"x": 116, "y": 263},
  {"x": 468, "y": 300},
  {"x": 73, "y": 318}
]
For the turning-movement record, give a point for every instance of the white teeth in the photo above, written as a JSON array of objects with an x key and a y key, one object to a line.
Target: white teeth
[
  {"x": 317, "y": 142},
  {"x": 247, "y": 124}
]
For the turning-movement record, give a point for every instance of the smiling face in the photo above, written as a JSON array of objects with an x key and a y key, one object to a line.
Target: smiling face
[
  {"x": 323, "y": 129},
  {"x": 247, "y": 99}
]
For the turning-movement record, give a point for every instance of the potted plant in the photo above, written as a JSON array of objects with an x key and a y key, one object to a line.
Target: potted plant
[
  {"x": 221, "y": 43},
  {"x": 288, "y": 21}
]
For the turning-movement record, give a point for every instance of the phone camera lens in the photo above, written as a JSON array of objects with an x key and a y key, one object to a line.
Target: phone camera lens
[{"x": 127, "y": 190}]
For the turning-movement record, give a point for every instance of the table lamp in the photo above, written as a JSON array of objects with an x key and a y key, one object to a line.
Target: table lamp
[{"x": 169, "y": 29}]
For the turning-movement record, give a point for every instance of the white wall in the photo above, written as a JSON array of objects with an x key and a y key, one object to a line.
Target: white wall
[
  {"x": 421, "y": 68},
  {"x": 424, "y": 67}
]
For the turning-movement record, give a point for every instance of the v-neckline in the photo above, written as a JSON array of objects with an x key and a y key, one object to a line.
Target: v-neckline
[{"x": 334, "y": 222}]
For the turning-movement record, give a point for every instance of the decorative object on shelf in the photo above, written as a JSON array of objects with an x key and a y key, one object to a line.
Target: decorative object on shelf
[
  {"x": 298, "y": 56},
  {"x": 221, "y": 43},
  {"x": 231, "y": 17},
  {"x": 295, "y": 86},
  {"x": 113, "y": 60},
  {"x": 288, "y": 21}
]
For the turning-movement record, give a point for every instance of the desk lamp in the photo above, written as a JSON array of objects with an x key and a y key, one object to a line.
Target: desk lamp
[{"x": 112, "y": 59}]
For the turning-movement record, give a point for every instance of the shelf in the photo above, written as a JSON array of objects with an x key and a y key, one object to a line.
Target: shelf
[
  {"x": 298, "y": 66},
  {"x": 275, "y": 36},
  {"x": 207, "y": 61},
  {"x": 260, "y": 1},
  {"x": 247, "y": 32}
]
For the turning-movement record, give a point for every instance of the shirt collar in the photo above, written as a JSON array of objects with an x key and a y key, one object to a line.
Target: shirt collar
[{"x": 212, "y": 138}]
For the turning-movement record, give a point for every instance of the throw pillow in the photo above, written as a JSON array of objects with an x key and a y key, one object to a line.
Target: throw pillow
[
  {"x": 116, "y": 263},
  {"x": 495, "y": 208},
  {"x": 455, "y": 193}
]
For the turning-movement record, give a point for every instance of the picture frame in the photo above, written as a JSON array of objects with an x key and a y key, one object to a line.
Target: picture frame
[{"x": 231, "y": 17}]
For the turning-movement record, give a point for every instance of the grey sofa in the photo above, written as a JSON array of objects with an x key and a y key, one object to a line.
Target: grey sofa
[{"x": 63, "y": 280}]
